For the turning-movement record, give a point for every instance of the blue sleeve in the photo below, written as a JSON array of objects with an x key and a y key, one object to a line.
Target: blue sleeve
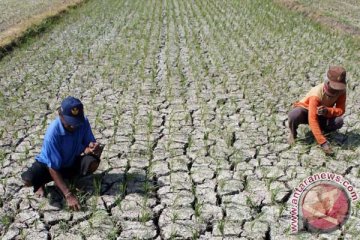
[
  {"x": 88, "y": 135},
  {"x": 51, "y": 154}
]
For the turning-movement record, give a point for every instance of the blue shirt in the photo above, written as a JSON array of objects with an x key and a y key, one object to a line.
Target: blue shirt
[{"x": 61, "y": 147}]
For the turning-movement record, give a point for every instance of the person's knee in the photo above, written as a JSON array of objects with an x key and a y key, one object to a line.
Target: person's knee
[
  {"x": 334, "y": 124},
  {"x": 291, "y": 116},
  {"x": 294, "y": 114},
  {"x": 93, "y": 167},
  {"x": 27, "y": 183},
  {"x": 339, "y": 122},
  {"x": 26, "y": 180},
  {"x": 297, "y": 116}
]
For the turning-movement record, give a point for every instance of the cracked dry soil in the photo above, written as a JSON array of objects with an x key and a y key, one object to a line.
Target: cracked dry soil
[{"x": 191, "y": 100}]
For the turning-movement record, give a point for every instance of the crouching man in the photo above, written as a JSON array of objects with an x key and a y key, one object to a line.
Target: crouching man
[
  {"x": 321, "y": 108},
  {"x": 69, "y": 149}
]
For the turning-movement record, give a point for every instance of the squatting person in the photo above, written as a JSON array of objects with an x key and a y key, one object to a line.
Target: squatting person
[
  {"x": 321, "y": 108},
  {"x": 69, "y": 149}
]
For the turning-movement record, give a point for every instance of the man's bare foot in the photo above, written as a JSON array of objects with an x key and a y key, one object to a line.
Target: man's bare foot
[{"x": 40, "y": 192}]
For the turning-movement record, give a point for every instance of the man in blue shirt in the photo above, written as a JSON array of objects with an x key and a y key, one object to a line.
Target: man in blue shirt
[{"x": 69, "y": 149}]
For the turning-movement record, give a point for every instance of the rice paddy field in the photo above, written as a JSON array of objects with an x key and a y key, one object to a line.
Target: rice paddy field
[
  {"x": 344, "y": 11},
  {"x": 13, "y": 12},
  {"x": 191, "y": 99}
]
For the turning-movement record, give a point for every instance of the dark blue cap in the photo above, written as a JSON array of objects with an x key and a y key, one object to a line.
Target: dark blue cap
[{"x": 73, "y": 111}]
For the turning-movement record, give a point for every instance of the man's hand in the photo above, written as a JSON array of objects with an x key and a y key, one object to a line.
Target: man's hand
[
  {"x": 72, "y": 202},
  {"x": 327, "y": 149},
  {"x": 93, "y": 148},
  {"x": 322, "y": 111}
]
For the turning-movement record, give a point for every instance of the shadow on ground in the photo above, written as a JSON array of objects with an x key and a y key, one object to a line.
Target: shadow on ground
[
  {"x": 347, "y": 141},
  {"x": 102, "y": 184}
]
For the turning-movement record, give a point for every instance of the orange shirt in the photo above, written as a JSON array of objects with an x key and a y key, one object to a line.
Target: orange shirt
[{"x": 316, "y": 98}]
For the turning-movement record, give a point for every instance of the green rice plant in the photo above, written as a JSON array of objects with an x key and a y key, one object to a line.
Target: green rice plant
[
  {"x": 149, "y": 147},
  {"x": 274, "y": 193},
  {"x": 113, "y": 234},
  {"x": 22, "y": 235},
  {"x": 80, "y": 195},
  {"x": 173, "y": 234},
  {"x": 147, "y": 187},
  {"x": 230, "y": 138},
  {"x": 145, "y": 216},
  {"x": 357, "y": 209},
  {"x": 221, "y": 184},
  {"x": 206, "y": 136},
  {"x": 6, "y": 220},
  {"x": 195, "y": 234},
  {"x": 269, "y": 181},
  {"x": 97, "y": 185},
  {"x": 96, "y": 215},
  {"x": 64, "y": 226},
  {"x": 250, "y": 202},
  {"x": 150, "y": 121},
  {"x": 190, "y": 141},
  {"x": 265, "y": 171},
  {"x": 221, "y": 226},
  {"x": 99, "y": 123},
  {"x": 121, "y": 195},
  {"x": 197, "y": 209},
  {"x": 282, "y": 208},
  {"x": 43, "y": 203},
  {"x": 2, "y": 131},
  {"x": 174, "y": 216},
  {"x": 2, "y": 157}
]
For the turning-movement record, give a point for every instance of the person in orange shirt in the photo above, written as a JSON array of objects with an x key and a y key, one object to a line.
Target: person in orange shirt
[{"x": 321, "y": 108}]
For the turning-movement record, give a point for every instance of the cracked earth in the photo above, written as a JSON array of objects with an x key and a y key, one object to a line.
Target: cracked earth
[{"x": 191, "y": 100}]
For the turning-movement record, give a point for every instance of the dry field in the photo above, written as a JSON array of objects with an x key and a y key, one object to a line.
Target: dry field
[
  {"x": 337, "y": 15},
  {"x": 347, "y": 12},
  {"x": 17, "y": 17},
  {"x": 191, "y": 99},
  {"x": 15, "y": 11}
]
